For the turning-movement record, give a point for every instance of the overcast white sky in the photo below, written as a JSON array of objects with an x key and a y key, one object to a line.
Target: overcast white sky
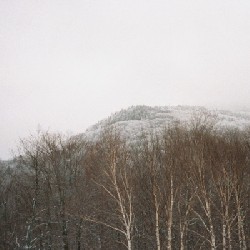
[{"x": 67, "y": 64}]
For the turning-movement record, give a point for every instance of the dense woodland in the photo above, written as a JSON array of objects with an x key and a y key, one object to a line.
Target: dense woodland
[{"x": 184, "y": 188}]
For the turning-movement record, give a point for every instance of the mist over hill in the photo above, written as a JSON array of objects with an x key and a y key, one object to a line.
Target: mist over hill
[
  {"x": 170, "y": 174},
  {"x": 131, "y": 122}
]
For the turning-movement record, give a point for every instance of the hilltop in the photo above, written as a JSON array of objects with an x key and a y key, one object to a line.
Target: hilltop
[{"x": 135, "y": 119}]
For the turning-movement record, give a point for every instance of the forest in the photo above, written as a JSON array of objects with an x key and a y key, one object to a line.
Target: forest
[{"x": 186, "y": 187}]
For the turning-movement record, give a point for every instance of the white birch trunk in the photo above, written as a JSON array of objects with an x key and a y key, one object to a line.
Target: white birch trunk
[
  {"x": 170, "y": 215},
  {"x": 157, "y": 228},
  {"x": 241, "y": 231},
  {"x": 211, "y": 227},
  {"x": 129, "y": 241},
  {"x": 224, "y": 243},
  {"x": 182, "y": 238}
]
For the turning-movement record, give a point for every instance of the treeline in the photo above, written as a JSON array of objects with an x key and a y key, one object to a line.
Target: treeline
[{"x": 185, "y": 188}]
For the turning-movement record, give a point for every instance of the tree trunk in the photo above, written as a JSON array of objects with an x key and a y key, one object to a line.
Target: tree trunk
[
  {"x": 182, "y": 240},
  {"x": 129, "y": 241},
  {"x": 157, "y": 229},
  {"x": 79, "y": 233},
  {"x": 65, "y": 235},
  {"x": 211, "y": 227},
  {"x": 241, "y": 232},
  {"x": 224, "y": 244},
  {"x": 229, "y": 237},
  {"x": 170, "y": 214}
]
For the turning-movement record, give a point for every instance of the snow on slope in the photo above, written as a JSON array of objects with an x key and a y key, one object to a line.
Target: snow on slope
[{"x": 132, "y": 121}]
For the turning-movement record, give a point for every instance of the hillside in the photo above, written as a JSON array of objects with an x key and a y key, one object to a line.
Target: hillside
[
  {"x": 135, "y": 119},
  {"x": 61, "y": 190}
]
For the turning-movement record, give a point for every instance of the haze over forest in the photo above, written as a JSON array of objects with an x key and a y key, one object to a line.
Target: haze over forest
[
  {"x": 129, "y": 123},
  {"x": 65, "y": 65},
  {"x": 139, "y": 180}
]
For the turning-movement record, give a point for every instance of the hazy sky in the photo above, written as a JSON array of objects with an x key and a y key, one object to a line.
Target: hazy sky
[{"x": 67, "y": 64}]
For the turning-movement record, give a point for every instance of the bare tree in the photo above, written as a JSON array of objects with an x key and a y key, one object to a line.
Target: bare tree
[
  {"x": 118, "y": 172},
  {"x": 186, "y": 187},
  {"x": 153, "y": 162}
]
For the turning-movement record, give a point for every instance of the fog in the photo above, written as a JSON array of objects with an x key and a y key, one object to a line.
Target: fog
[{"x": 64, "y": 65}]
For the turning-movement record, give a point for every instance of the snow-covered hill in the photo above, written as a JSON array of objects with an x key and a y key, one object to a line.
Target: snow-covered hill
[{"x": 132, "y": 121}]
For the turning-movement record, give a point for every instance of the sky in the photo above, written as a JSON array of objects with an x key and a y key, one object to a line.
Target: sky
[{"x": 64, "y": 65}]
